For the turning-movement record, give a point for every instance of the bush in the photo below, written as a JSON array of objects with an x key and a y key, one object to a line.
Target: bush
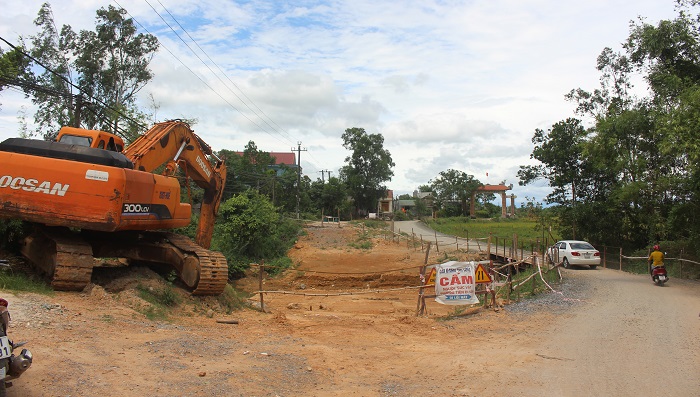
[
  {"x": 401, "y": 216},
  {"x": 12, "y": 232},
  {"x": 249, "y": 228},
  {"x": 278, "y": 265}
]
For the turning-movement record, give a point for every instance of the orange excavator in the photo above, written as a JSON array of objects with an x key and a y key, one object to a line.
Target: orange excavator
[{"x": 91, "y": 198}]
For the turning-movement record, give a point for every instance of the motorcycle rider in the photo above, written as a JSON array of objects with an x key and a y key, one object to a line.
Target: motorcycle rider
[
  {"x": 656, "y": 258},
  {"x": 4, "y": 316}
]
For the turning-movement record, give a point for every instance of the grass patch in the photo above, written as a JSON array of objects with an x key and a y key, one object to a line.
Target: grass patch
[
  {"x": 107, "y": 318},
  {"x": 530, "y": 288},
  {"x": 22, "y": 282},
  {"x": 364, "y": 241},
  {"x": 277, "y": 266},
  {"x": 370, "y": 223},
  {"x": 162, "y": 299},
  {"x": 231, "y": 299}
]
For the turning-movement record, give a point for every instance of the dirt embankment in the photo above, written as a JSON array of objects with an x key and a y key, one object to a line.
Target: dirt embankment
[{"x": 575, "y": 342}]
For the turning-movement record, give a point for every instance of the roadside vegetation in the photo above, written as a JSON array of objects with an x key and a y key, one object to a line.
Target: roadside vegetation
[{"x": 22, "y": 282}]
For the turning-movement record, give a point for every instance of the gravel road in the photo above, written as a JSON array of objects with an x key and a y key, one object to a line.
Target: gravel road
[{"x": 616, "y": 334}]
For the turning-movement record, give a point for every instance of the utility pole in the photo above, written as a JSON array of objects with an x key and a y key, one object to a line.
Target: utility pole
[
  {"x": 299, "y": 150},
  {"x": 323, "y": 175}
]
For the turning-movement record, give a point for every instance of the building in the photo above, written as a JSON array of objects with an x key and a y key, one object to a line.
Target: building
[{"x": 287, "y": 159}]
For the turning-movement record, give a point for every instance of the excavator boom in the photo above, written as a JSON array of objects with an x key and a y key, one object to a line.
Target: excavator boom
[{"x": 172, "y": 143}]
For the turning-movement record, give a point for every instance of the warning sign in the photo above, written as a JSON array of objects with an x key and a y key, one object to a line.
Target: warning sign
[
  {"x": 431, "y": 277},
  {"x": 481, "y": 275},
  {"x": 454, "y": 283}
]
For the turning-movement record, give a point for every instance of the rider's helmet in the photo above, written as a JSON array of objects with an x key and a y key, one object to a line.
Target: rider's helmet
[{"x": 657, "y": 248}]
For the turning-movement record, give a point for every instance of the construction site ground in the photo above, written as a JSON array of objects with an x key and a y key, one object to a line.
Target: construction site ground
[{"x": 603, "y": 332}]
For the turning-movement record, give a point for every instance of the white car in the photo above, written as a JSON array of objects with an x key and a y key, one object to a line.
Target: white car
[{"x": 575, "y": 252}]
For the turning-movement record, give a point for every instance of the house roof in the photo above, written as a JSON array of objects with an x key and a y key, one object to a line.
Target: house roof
[{"x": 286, "y": 158}]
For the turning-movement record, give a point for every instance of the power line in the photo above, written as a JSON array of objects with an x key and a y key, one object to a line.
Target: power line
[
  {"x": 68, "y": 94},
  {"x": 278, "y": 130},
  {"x": 221, "y": 71},
  {"x": 195, "y": 74}
]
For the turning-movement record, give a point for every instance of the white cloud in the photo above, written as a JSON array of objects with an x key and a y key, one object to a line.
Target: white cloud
[{"x": 449, "y": 84}]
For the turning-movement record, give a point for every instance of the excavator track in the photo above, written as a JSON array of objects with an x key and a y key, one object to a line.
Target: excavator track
[
  {"x": 212, "y": 268},
  {"x": 63, "y": 256}
]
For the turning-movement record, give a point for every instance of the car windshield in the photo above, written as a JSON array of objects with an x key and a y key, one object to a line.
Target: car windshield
[{"x": 581, "y": 246}]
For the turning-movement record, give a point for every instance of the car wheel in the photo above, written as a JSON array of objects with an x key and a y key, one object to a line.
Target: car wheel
[
  {"x": 565, "y": 262},
  {"x": 593, "y": 267}
]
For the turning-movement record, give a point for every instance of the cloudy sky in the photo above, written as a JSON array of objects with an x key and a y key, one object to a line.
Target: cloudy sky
[{"x": 450, "y": 84}]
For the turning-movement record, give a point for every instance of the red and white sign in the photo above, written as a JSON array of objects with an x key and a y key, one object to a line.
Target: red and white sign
[{"x": 455, "y": 283}]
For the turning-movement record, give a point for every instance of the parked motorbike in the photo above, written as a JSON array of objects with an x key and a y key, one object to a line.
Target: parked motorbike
[
  {"x": 11, "y": 365},
  {"x": 659, "y": 275}
]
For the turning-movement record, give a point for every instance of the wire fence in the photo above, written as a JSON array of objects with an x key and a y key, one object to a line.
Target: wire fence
[
  {"x": 505, "y": 278},
  {"x": 512, "y": 249},
  {"x": 678, "y": 266},
  {"x": 529, "y": 257}
]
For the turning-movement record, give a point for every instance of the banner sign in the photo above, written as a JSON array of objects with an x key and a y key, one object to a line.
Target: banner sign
[{"x": 455, "y": 284}]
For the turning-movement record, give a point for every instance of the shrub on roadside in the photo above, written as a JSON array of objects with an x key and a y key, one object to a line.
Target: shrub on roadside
[{"x": 250, "y": 228}]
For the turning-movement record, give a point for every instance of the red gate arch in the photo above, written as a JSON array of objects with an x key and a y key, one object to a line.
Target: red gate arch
[{"x": 502, "y": 189}]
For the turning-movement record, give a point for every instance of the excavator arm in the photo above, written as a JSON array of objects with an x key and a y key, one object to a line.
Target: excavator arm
[{"x": 171, "y": 144}]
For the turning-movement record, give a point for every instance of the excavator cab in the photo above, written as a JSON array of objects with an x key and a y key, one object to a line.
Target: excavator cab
[{"x": 90, "y": 138}]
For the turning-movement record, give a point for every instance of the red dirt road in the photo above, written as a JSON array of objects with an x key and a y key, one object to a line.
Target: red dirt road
[{"x": 592, "y": 339}]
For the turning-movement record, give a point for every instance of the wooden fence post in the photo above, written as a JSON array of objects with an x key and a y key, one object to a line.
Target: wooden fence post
[
  {"x": 605, "y": 255},
  {"x": 260, "y": 285},
  {"x": 489, "y": 245},
  {"x": 620, "y": 258},
  {"x": 420, "y": 305}
]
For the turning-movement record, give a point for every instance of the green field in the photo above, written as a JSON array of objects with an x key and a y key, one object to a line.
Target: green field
[{"x": 527, "y": 231}]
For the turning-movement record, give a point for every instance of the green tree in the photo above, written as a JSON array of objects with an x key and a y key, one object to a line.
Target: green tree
[
  {"x": 668, "y": 54},
  {"x": 335, "y": 195},
  {"x": 13, "y": 66},
  {"x": 249, "y": 228},
  {"x": 562, "y": 164},
  {"x": 631, "y": 178},
  {"x": 109, "y": 66},
  {"x": 248, "y": 170},
  {"x": 112, "y": 65},
  {"x": 367, "y": 168},
  {"x": 560, "y": 153},
  {"x": 454, "y": 187}
]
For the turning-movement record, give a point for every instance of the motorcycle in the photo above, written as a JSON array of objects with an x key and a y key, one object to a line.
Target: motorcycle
[
  {"x": 659, "y": 275},
  {"x": 11, "y": 365}
]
